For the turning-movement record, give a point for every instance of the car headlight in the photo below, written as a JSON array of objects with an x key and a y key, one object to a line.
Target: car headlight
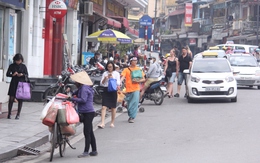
[
  {"x": 229, "y": 78},
  {"x": 195, "y": 79},
  {"x": 257, "y": 73}
]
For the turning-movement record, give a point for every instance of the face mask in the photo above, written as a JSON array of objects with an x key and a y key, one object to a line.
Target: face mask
[
  {"x": 151, "y": 61},
  {"x": 105, "y": 61}
]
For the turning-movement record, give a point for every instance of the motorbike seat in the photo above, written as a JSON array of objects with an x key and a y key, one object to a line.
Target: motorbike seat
[{"x": 154, "y": 84}]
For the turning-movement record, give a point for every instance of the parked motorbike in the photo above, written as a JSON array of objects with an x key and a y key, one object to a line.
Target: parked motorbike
[
  {"x": 63, "y": 85},
  {"x": 154, "y": 93}
]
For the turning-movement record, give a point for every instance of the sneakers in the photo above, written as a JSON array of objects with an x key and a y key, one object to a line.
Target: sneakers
[
  {"x": 177, "y": 95},
  {"x": 93, "y": 153},
  {"x": 131, "y": 120},
  {"x": 85, "y": 154},
  {"x": 185, "y": 96}
]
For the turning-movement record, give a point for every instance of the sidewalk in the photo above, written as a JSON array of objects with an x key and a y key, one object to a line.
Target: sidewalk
[{"x": 27, "y": 131}]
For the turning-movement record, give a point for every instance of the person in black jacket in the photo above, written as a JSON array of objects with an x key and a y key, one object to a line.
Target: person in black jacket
[{"x": 18, "y": 72}]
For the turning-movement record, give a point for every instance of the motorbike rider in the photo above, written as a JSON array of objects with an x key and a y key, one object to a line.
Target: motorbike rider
[
  {"x": 152, "y": 75},
  {"x": 94, "y": 59}
]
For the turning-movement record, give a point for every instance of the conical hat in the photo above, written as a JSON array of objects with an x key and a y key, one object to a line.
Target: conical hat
[{"x": 82, "y": 78}]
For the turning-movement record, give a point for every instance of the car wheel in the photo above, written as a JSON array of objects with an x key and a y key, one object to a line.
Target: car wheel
[
  {"x": 258, "y": 87},
  {"x": 251, "y": 86},
  {"x": 190, "y": 100},
  {"x": 234, "y": 99}
]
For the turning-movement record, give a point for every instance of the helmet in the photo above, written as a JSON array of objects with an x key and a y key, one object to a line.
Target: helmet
[{"x": 167, "y": 55}]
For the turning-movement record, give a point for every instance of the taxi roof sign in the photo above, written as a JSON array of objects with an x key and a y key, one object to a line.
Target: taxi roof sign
[
  {"x": 208, "y": 54},
  {"x": 214, "y": 48}
]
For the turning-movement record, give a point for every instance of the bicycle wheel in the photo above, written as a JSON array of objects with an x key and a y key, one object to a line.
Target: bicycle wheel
[
  {"x": 62, "y": 142},
  {"x": 53, "y": 140}
]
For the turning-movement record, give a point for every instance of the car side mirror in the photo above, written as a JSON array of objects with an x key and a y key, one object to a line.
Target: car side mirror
[{"x": 186, "y": 71}]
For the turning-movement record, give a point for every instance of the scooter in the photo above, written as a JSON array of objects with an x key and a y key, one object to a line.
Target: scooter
[{"x": 154, "y": 93}]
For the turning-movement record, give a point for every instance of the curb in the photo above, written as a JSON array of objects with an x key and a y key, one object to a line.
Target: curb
[{"x": 43, "y": 138}]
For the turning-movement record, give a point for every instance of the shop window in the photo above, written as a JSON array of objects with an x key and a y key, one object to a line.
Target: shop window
[{"x": 244, "y": 13}]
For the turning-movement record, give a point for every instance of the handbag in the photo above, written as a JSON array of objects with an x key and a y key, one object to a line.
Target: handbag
[
  {"x": 120, "y": 97},
  {"x": 112, "y": 85},
  {"x": 136, "y": 75},
  {"x": 23, "y": 90},
  {"x": 72, "y": 116}
]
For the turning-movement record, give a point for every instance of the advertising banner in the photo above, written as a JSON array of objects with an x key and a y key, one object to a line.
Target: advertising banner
[{"x": 188, "y": 14}]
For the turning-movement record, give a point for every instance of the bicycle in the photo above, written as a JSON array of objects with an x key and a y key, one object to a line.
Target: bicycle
[{"x": 58, "y": 139}]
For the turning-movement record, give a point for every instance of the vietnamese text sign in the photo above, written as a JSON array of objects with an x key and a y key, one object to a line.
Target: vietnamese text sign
[
  {"x": 188, "y": 14},
  {"x": 145, "y": 20}
]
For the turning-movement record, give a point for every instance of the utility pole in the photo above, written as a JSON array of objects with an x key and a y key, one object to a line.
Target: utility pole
[
  {"x": 257, "y": 21},
  {"x": 155, "y": 14}
]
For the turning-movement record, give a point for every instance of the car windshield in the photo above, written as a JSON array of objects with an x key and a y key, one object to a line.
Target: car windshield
[
  {"x": 245, "y": 61},
  {"x": 211, "y": 66}
]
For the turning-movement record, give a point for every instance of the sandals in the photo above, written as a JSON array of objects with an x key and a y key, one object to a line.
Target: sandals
[
  {"x": 101, "y": 126},
  {"x": 170, "y": 96}
]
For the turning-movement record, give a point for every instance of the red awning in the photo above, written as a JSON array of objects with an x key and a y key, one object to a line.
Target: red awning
[
  {"x": 177, "y": 12},
  {"x": 113, "y": 23},
  {"x": 124, "y": 20},
  {"x": 133, "y": 31}
]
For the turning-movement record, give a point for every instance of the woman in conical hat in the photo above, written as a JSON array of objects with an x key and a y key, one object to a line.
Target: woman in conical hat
[{"x": 84, "y": 98}]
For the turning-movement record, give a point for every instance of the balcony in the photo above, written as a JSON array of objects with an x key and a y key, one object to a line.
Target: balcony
[
  {"x": 219, "y": 20},
  {"x": 248, "y": 26},
  {"x": 202, "y": 21}
]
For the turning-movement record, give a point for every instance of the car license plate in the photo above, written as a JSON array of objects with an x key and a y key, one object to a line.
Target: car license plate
[
  {"x": 246, "y": 78},
  {"x": 163, "y": 89},
  {"x": 212, "y": 89}
]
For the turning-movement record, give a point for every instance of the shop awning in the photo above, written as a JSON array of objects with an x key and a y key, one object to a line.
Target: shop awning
[
  {"x": 124, "y": 20},
  {"x": 110, "y": 21},
  {"x": 177, "y": 12},
  {"x": 168, "y": 37},
  {"x": 133, "y": 31},
  {"x": 237, "y": 37},
  {"x": 113, "y": 23}
]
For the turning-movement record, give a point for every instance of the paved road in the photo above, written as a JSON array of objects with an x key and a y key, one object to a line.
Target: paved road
[{"x": 178, "y": 132}]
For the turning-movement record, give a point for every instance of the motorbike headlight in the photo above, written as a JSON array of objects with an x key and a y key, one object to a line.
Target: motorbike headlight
[
  {"x": 59, "y": 77},
  {"x": 229, "y": 78},
  {"x": 195, "y": 79},
  {"x": 257, "y": 73}
]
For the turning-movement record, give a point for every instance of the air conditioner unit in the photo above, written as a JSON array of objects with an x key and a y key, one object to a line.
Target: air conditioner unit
[{"x": 88, "y": 8}]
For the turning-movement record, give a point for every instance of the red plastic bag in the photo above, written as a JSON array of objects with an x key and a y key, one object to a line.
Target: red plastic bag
[
  {"x": 71, "y": 114},
  {"x": 50, "y": 118}
]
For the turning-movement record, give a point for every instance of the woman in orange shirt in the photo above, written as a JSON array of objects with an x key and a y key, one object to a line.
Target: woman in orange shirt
[{"x": 132, "y": 88}]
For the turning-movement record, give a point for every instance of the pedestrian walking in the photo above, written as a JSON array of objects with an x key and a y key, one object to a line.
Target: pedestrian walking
[
  {"x": 18, "y": 72},
  {"x": 185, "y": 62},
  {"x": 171, "y": 70},
  {"x": 132, "y": 87},
  {"x": 84, "y": 100},
  {"x": 189, "y": 51},
  {"x": 109, "y": 99}
]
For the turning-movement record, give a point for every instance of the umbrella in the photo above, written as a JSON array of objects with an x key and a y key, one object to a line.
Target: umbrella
[
  {"x": 109, "y": 36},
  {"x": 139, "y": 41}
]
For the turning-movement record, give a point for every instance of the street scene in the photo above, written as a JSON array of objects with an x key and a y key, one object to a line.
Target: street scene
[{"x": 129, "y": 81}]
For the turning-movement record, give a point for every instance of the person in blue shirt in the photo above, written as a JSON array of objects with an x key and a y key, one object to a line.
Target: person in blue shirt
[{"x": 84, "y": 99}]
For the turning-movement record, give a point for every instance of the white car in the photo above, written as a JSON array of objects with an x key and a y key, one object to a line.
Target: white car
[
  {"x": 247, "y": 68},
  {"x": 211, "y": 78}
]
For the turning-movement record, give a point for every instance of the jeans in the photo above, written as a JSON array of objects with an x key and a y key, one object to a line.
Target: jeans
[
  {"x": 181, "y": 77},
  {"x": 88, "y": 132}
]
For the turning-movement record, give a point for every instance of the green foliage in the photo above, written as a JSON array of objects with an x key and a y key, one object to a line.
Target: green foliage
[{"x": 123, "y": 48}]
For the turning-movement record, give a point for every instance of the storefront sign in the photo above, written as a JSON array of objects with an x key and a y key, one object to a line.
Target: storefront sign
[
  {"x": 192, "y": 41},
  {"x": 57, "y": 9},
  {"x": 188, "y": 15}
]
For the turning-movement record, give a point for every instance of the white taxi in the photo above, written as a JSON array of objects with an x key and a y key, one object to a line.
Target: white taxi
[
  {"x": 247, "y": 68},
  {"x": 209, "y": 78}
]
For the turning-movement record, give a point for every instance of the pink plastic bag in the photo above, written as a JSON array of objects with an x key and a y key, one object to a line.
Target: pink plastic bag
[{"x": 71, "y": 114}]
